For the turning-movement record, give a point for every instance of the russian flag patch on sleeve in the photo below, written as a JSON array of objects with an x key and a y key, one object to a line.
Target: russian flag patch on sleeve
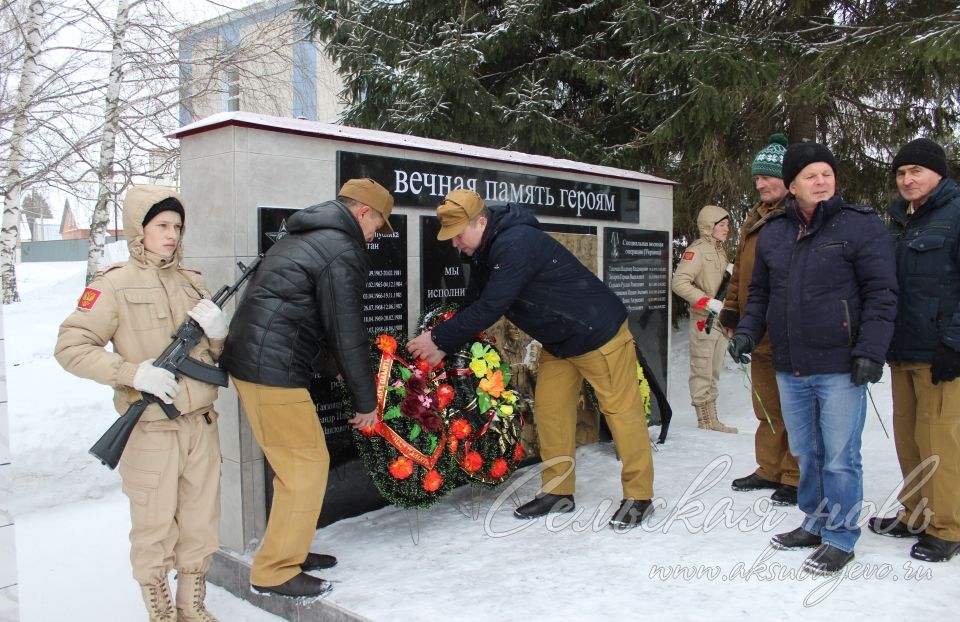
[
  {"x": 688, "y": 256},
  {"x": 88, "y": 298}
]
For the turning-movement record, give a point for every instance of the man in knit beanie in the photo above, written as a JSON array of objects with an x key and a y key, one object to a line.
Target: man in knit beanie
[
  {"x": 824, "y": 288},
  {"x": 777, "y": 468},
  {"x": 924, "y": 355}
]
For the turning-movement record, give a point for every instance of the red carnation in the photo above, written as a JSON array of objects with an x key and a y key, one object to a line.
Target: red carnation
[
  {"x": 445, "y": 395},
  {"x": 371, "y": 430},
  {"x": 472, "y": 462},
  {"x": 423, "y": 366},
  {"x": 517, "y": 452},
  {"x": 701, "y": 324},
  {"x": 432, "y": 481},
  {"x": 460, "y": 428},
  {"x": 387, "y": 344},
  {"x": 446, "y": 316},
  {"x": 498, "y": 468},
  {"x": 401, "y": 468}
]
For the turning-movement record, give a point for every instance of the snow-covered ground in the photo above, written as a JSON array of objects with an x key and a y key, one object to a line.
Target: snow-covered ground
[{"x": 702, "y": 554}]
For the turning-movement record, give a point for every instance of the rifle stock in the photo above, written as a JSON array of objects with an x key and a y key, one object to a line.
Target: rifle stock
[
  {"x": 174, "y": 359},
  {"x": 110, "y": 446}
]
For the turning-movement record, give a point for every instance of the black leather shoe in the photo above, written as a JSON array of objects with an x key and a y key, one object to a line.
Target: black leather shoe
[
  {"x": 545, "y": 504},
  {"x": 752, "y": 482},
  {"x": 784, "y": 495},
  {"x": 827, "y": 559},
  {"x": 630, "y": 514},
  {"x": 318, "y": 561},
  {"x": 891, "y": 526},
  {"x": 933, "y": 549},
  {"x": 298, "y": 586},
  {"x": 799, "y": 538}
]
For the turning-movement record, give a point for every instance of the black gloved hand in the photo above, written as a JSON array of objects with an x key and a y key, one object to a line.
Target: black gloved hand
[
  {"x": 740, "y": 347},
  {"x": 946, "y": 364},
  {"x": 864, "y": 370}
]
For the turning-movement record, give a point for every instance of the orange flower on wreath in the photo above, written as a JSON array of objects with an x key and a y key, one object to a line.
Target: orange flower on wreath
[
  {"x": 432, "y": 481},
  {"x": 371, "y": 430},
  {"x": 387, "y": 344},
  {"x": 472, "y": 462},
  {"x": 460, "y": 428},
  {"x": 401, "y": 468},
  {"x": 498, "y": 468},
  {"x": 492, "y": 384},
  {"x": 453, "y": 444}
]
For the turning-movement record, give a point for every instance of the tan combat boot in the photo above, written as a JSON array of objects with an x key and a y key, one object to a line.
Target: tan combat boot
[
  {"x": 157, "y": 599},
  {"x": 191, "y": 590},
  {"x": 703, "y": 416},
  {"x": 715, "y": 423}
]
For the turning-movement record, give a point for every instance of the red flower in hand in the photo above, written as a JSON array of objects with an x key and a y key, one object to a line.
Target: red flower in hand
[
  {"x": 472, "y": 462},
  {"x": 401, "y": 468},
  {"x": 701, "y": 325},
  {"x": 387, "y": 344},
  {"x": 445, "y": 394},
  {"x": 423, "y": 366},
  {"x": 517, "y": 452},
  {"x": 371, "y": 430},
  {"x": 460, "y": 428},
  {"x": 498, "y": 468},
  {"x": 702, "y": 303},
  {"x": 432, "y": 481}
]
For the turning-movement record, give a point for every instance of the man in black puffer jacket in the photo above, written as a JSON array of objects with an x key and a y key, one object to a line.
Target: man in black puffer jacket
[
  {"x": 520, "y": 272},
  {"x": 302, "y": 312},
  {"x": 925, "y": 353}
]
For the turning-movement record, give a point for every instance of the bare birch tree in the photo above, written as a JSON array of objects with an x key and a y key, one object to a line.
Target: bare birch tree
[{"x": 10, "y": 231}]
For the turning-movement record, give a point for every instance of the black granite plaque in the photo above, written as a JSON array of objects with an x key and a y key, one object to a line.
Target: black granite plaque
[
  {"x": 349, "y": 490},
  {"x": 444, "y": 273},
  {"x": 636, "y": 267}
]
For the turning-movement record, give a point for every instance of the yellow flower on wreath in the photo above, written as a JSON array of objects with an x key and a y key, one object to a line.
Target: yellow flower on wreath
[
  {"x": 492, "y": 357},
  {"x": 479, "y": 367},
  {"x": 644, "y": 390},
  {"x": 509, "y": 396}
]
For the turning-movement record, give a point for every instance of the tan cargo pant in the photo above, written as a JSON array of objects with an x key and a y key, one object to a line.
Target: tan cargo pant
[
  {"x": 286, "y": 425},
  {"x": 926, "y": 422},
  {"x": 706, "y": 361},
  {"x": 170, "y": 472},
  {"x": 612, "y": 370},
  {"x": 775, "y": 461}
]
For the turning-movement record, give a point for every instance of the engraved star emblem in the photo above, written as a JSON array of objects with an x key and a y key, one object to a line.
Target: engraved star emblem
[{"x": 276, "y": 236}]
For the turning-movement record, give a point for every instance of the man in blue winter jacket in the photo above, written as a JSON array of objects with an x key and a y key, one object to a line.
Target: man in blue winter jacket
[
  {"x": 824, "y": 286},
  {"x": 520, "y": 272},
  {"x": 925, "y": 353}
]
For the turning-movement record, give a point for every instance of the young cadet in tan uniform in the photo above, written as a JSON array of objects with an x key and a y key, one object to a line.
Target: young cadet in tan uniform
[
  {"x": 170, "y": 469},
  {"x": 697, "y": 280},
  {"x": 777, "y": 468}
]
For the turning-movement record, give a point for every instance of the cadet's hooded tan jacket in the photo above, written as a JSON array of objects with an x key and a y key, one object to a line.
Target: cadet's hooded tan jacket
[
  {"x": 703, "y": 263},
  {"x": 137, "y": 305}
]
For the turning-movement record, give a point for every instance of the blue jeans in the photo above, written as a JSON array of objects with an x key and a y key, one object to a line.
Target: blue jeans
[{"x": 824, "y": 416}]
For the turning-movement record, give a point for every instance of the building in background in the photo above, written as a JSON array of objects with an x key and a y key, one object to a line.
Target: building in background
[{"x": 257, "y": 59}]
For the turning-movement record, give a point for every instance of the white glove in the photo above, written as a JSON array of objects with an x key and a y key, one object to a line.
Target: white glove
[
  {"x": 156, "y": 381},
  {"x": 211, "y": 318},
  {"x": 715, "y": 306},
  {"x": 730, "y": 268}
]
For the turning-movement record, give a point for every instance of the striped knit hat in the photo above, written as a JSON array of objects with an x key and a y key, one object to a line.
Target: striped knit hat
[{"x": 770, "y": 159}]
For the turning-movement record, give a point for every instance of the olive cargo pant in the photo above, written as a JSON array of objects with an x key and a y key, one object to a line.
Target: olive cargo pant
[
  {"x": 926, "y": 422},
  {"x": 286, "y": 426},
  {"x": 612, "y": 370},
  {"x": 775, "y": 461}
]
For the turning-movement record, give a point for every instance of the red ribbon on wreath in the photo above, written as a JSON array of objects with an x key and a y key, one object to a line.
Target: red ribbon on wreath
[{"x": 384, "y": 429}]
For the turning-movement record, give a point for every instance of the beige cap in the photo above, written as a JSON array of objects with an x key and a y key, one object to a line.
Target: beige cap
[
  {"x": 459, "y": 207},
  {"x": 370, "y": 193}
]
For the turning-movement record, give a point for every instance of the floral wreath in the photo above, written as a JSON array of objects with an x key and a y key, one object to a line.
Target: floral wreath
[{"x": 438, "y": 427}]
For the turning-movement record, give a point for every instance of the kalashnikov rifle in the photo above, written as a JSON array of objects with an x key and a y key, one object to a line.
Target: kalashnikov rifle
[
  {"x": 721, "y": 294},
  {"x": 175, "y": 359}
]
